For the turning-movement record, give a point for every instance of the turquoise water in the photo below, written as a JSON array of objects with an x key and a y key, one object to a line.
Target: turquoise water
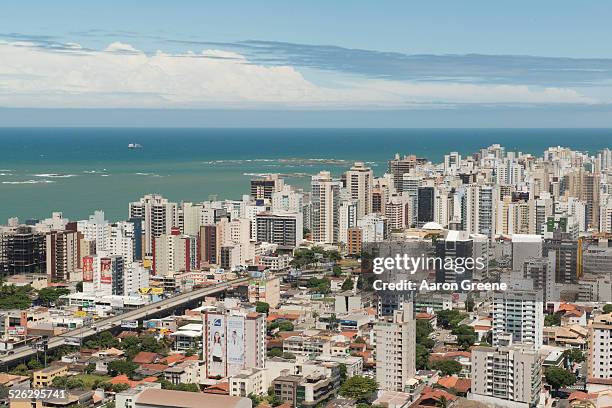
[{"x": 80, "y": 170}]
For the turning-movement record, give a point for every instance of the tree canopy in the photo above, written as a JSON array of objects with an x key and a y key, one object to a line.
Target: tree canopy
[
  {"x": 359, "y": 388},
  {"x": 558, "y": 377},
  {"x": 262, "y": 307},
  {"x": 447, "y": 367}
]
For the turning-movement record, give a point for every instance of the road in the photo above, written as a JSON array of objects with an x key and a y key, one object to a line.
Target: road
[{"x": 23, "y": 353}]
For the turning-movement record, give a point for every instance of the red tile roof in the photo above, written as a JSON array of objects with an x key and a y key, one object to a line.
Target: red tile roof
[
  {"x": 145, "y": 357},
  {"x": 220, "y": 388}
]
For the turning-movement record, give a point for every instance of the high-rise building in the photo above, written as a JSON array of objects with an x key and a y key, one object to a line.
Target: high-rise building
[
  {"x": 158, "y": 215},
  {"x": 455, "y": 245},
  {"x": 397, "y": 211},
  {"x": 135, "y": 277},
  {"x": 62, "y": 255},
  {"x": 374, "y": 228},
  {"x": 525, "y": 247},
  {"x": 396, "y": 349},
  {"x": 283, "y": 229},
  {"x": 566, "y": 256},
  {"x": 22, "y": 251},
  {"x": 359, "y": 185},
  {"x": 174, "y": 252},
  {"x": 399, "y": 166},
  {"x": 287, "y": 200},
  {"x": 425, "y": 205},
  {"x": 264, "y": 187},
  {"x": 600, "y": 342},
  {"x": 325, "y": 198},
  {"x": 519, "y": 313},
  {"x": 103, "y": 274},
  {"x": 233, "y": 341},
  {"x": 354, "y": 241},
  {"x": 506, "y": 376},
  {"x": 208, "y": 244},
  {"x": 95, "y": 229},
  {"x": 347, "y": 218},
  {"x": 121, "y": 240}
]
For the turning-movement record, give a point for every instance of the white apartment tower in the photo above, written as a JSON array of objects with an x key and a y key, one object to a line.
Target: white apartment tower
[
  {"x": 519, "y": 313},
  {"x": 325, "y": 199},
  {"x": 120, "y": 240},
  {"x": 509, "y": 376},
  {"x": 359, "y": 185},
  {"x": 158, "y": 217}
]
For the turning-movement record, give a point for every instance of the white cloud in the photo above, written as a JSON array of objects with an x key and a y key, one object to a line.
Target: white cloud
[{"x": 122, "y": 76}]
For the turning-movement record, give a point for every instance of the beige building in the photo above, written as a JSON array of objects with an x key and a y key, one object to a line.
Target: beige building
[
  {"x": 506, "y": 376},
  {"x": 359, "y": 185},
  {"x": 600, "y": 340},
  {"x": 325, "y": 198},
  {"x": 247, "y": 382},
  {"x": 395, "y": 350},
  {"x": 44, "y": 378},
  {"x": 265, "y": 290}
]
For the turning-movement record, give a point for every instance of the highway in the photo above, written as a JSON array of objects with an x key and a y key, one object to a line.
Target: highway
[{"x": 100, "y": 325}]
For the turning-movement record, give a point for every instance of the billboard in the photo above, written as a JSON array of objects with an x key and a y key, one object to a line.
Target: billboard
[
  {"x": 88, "y": 268},
  {"x": 72, "y": 341},
  {"x": 235, "y": 344},
  {"x": 129, "y": 324},
  {"x": 215, "y": 345},
  {"x": 106, "y": 275}
]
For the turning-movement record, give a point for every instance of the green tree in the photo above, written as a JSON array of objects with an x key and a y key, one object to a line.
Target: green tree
[
  {"x": 336, "y": 271},
  {"x": 34, "y": 364},
  {"x": 466, "y": 336},
  {"x": 73, "y": 383},
  {"x": 283, "y": 325},
  {"x": 342, "y": 369},
  {"x": 288, "y": 356},
  {"x": 151, "y": 344},
  {"x": 317, "y": 285},
  {"x": 79, "y": 286},
  {"x": 607, "y": 308},
  {"x": 117, "y": 367},
  {"x": 275, "y": 352},
  {"x": 255, "y": 399},
  {"x": 422, "y": 357},
  {"x": 348, "y": 284},
  {"x": 15, "y": 297},
  {"x": 574, "y": 355},
  {"x": 447, "y": 367},
  {"x": 359, "y": 388},
  {"x": 59, "y": 382},
  {"x": 469, "y": 304},
  {"x": 449, "y": 319},
  {"x": 120, "y": 387},
  {"x": 20, "y": 369},
  {"x": 333, "y": 255},
  {"x": 262, "y": 307},
  {"x": 51, "y": 295},
  {"x": 552, "y": 320},
  {"x": 442, "y": 402},
  {"x": 558, "y": 377}
]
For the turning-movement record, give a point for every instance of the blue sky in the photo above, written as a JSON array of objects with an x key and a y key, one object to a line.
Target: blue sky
[{"x": 505, "y": 59}]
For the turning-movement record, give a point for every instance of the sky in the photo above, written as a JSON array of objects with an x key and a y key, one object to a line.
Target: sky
[{"x": 315, "y": 63}]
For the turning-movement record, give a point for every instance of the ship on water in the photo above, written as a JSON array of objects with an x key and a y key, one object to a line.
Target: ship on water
[{"x": 134, "y": 146}]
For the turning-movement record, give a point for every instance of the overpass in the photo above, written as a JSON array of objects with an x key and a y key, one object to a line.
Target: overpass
[{"x": 23, "y": 353}]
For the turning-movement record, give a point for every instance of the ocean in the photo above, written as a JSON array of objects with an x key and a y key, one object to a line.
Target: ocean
[{"x": 79, "y": 170}]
